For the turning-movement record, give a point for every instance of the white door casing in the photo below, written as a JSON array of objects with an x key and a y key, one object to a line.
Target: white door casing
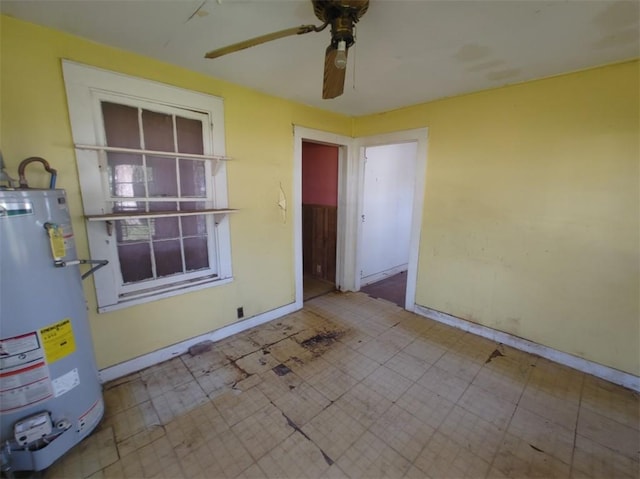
[
  {"x": 387, "y": 205},
  {"x": 350, "y": 198}
]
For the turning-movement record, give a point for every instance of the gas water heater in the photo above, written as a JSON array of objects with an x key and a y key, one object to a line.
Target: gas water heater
[{"x": 50, "y": 394}]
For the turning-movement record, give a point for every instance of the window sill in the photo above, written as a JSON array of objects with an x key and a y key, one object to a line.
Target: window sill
[{"x": 147, "y": 297}]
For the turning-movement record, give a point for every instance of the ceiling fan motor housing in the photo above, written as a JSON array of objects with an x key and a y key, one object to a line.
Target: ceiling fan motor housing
[{"x": 342, "y": 15}]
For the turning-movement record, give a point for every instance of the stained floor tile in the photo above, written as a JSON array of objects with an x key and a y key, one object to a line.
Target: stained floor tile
[
  {"x": 205, "y": 362},
  {"x": 609, "y": 433},
  {"x": 442, "y": 457},
  {"x": 591, "y": 460},
  {"x": 429, "y": 407},
  {"x": 439, "y": 381},
  {"x": 472, "y": 432},
  {"x": 124, "y": 395},
  {"x": 238, "y": 405},
  {"x": 541, "y": 402},
  {"x": 612, "y": 401},
  {"x": 518, "y": 458},
  {"x": 542, "y": 434},
  {"x": 370, "y": 456},
  {"x": 354, "y": 387},
  {"x": 179, "y": 400},
  {"x": 388, "y": 383},
  {"x": 332, "y": 382},
  {"x": 302, "y": 403},
  {"x": 402, "y": 431},
  {"x": 491, "y": 407},
  {"x": 263, "y": 431},
  {"x": 164, "y": 377},
  {"x": 333, "y": 431},
  {"x": 133, "y": 420},
  {"x": 220, "y": 380},
  {"x": 295, "y": 457},
  {"x": 364, "y": 404}
]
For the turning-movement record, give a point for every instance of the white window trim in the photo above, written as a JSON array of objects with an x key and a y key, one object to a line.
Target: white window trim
[{"x": 86, "y": 86}]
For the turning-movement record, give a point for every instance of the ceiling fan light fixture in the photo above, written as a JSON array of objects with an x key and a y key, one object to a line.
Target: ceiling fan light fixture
[
  {"x": 342, "y": 15},
  {"x": 341, "y": 55}
]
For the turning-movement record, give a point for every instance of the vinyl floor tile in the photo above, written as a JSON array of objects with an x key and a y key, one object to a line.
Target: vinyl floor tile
[{"x": 353, "y": 387}]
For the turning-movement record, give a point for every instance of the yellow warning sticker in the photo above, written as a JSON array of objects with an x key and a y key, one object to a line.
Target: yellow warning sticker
[
  {"x": 58, "y": 340},
  {"x": 56, "y": 238}
]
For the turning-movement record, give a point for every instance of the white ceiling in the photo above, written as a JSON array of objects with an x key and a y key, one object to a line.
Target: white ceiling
[{"x": 407, "y": 52}]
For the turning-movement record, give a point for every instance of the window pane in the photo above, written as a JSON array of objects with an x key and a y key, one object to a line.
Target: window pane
[
  {"x": 158, "y": 131},
  {"x": 129, "y": 206},
  {"x": 168, "y": 257},
  {"x": 121, "y": 125},
  {"x": 196, "y": 255},
  {"x": 126, "y": 175},
  {"x": 189, "y": 136},
  {"x": 134, "y": 230},
  {"x": 161, "y": 176},
  {"x": 135, "y": 262},
  {"x": 131, "y": 230},
  {"x": 163, "y": 206},
  {"x": 164, "y": 228},
  {"x": 193, "y": 225},
  {"x": 192, "y": 178}
]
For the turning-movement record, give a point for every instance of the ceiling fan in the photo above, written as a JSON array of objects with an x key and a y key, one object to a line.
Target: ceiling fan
[{"x": 342, "y": 15}]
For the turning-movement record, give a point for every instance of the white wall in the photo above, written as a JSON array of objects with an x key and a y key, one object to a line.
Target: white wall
[{"x": 389, "y": 177}]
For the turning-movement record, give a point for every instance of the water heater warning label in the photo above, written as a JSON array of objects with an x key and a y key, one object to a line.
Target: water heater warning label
[
  {"x": 24, "y": 386},
  {"x": 19, "y": 350},
  {"x": 58, "y": 340}
]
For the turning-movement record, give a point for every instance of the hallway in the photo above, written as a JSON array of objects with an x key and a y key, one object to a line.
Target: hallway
[{"x": 392, "y": 289}]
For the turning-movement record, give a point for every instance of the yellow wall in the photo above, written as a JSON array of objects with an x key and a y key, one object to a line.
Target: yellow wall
[
  {"x": 531, "y": 213},
  {"x": 34, "y": 121}
]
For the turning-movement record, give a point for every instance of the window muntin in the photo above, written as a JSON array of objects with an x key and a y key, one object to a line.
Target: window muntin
[{"x": 150, "y": 249}]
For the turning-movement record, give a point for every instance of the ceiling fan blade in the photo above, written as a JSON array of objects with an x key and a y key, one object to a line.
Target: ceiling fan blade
[
  {"x": 262, "y": 39},
  {"x": 333, "y": 84}
]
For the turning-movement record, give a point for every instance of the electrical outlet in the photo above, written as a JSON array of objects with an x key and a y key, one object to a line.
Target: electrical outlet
[
  {"x": 240, "y": 311},
  {"x": 318, "y": 269}
]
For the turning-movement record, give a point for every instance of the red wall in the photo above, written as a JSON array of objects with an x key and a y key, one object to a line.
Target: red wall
[{"x": 319, "y": 174}]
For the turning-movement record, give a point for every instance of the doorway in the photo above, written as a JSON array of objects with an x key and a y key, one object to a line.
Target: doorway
[
  {"x": 350, "y": 181},
  {"x": 416, "y": 148},
  {"x": 319, "y": 218},
  {"x": 387, "y": 207}
]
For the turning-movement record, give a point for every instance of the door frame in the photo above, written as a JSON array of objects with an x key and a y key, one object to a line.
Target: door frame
[
  {"x": 350, "y": 196},
  {"x": 420, "y": 136},
  {"x": 345, "y": 259}
]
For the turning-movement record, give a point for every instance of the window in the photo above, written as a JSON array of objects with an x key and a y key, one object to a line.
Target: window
[{"x": 153, "y": 180}]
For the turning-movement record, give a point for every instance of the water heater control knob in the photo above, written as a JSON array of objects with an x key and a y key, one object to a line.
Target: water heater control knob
[{"x": 32, "y": 428}]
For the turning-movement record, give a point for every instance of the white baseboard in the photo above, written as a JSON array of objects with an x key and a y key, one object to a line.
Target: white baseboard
[
  {"x": 141, "y": 362},
  {"x": 374, "y": 278},
  {"x": 604, "y": 372}
]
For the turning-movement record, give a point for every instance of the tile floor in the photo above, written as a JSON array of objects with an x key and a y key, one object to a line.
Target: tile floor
[
  {"x": 355, "y": 387},
  {"x": 314, "y": 287}
]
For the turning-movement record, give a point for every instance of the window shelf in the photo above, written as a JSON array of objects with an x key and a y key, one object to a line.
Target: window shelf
[
  {"x": 168, "y": 154},
  {"x": 156, "y": 214}
]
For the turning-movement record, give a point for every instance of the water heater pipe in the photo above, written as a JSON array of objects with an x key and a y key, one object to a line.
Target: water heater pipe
[
  {"x": 99, "y": 263},
  {"x": 23, "y": 164}
]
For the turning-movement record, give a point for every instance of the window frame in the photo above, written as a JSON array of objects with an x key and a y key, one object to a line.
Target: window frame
[
  {"x": 86, "y": 88},
  {"x": 129, "y": 289}
]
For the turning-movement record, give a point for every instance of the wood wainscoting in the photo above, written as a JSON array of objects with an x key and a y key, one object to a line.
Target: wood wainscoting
[{"x": 319, "y": 233}]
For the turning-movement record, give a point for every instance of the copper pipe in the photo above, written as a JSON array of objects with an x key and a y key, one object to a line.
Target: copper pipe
[{"x": 23, "y": 164}]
